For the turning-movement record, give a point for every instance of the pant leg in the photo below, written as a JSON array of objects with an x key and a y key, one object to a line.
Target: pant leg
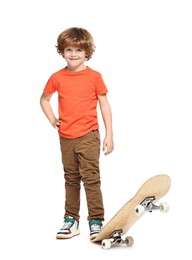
[
  {"x": 72, "y": 178},
  {"x": 88, "y": 151}
]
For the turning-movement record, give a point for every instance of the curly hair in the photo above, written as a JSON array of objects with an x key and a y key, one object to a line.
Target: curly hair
[{"x": 76, "y": 37}]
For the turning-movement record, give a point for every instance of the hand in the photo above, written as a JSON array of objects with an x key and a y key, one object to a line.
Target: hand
[
  {"x": 56, "y": 124},
  {"x": 108, "y": 145}
]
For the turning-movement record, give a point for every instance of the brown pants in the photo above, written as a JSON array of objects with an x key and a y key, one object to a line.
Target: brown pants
[{"x": 80, "y": 158}]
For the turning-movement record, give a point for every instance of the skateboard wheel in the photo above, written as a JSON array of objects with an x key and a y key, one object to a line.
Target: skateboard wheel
[
  {"x": 106, "y": 244},
  {"x": 139, "y": 210},
  {"x": 164, "y": 207},
  {"x": 129, "y": 241}
]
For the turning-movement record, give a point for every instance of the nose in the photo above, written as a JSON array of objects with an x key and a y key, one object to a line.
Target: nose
[{"x": 73, "y": 53}]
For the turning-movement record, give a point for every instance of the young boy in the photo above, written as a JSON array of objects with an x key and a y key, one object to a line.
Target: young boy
[{"x": 79, "y": 90}]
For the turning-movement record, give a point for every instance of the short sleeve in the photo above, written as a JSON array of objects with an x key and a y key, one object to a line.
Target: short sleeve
[
  {"x": 51, "y": 85},
  {"x": 100, "y": 85}
]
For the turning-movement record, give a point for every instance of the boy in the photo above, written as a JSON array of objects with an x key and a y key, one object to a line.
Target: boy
[{"x": 79, "y": 90}]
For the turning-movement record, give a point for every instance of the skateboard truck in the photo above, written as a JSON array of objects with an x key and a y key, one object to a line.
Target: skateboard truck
[
  {"x": 116, "y": 238},
  {"x": 148, "y": 205}
]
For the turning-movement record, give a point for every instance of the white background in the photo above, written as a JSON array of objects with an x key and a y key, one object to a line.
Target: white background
[{"x": 143, "y": 50}]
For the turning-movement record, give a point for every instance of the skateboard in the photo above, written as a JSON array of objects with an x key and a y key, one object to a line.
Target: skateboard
[{"x": 144, "y": 201}]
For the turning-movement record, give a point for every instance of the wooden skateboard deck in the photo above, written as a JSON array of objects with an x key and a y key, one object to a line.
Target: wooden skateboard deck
[{"x": 149, "y": 193}]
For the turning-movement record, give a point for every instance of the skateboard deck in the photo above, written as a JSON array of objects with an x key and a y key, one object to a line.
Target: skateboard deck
[{"x": 144, "y": 200}]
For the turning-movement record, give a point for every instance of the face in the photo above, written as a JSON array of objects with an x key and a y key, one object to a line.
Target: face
[{"x": 75, "y": 58}]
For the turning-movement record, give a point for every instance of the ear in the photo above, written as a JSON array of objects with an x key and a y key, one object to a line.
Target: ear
[{"x": 62, "y": 54}]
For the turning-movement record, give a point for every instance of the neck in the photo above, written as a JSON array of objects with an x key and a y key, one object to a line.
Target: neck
[{"x": 76, "y": 69}]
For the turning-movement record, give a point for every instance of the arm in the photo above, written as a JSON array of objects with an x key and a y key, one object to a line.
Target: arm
[
  {"x": 108, "y": 144},
  {"x": 46, "y": 107}
]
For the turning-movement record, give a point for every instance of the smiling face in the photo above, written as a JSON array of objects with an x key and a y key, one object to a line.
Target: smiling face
[
  {"x": 78, "y": 39},
  {"x": 75, "y": 58}
]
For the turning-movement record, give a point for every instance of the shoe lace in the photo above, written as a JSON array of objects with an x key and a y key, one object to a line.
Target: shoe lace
[
  {"x": 95, "y": 227},
  {"x": 67, "y": 225}
]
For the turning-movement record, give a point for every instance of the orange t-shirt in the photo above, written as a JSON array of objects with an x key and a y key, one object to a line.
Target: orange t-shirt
[{"x": 77, "y": 100}]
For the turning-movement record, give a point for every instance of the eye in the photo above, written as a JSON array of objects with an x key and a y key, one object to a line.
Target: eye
[
  {"x": 79, "y": 50},
  {"x": 68, "y": 49}
]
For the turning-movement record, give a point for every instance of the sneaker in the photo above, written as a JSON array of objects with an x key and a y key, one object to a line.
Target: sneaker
[
  {"x": 69, "y": 229},
  {"x": 95, "y": 228}
]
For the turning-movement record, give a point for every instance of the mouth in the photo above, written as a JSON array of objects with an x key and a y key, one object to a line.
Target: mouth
[{"x": 73, "y": 58}]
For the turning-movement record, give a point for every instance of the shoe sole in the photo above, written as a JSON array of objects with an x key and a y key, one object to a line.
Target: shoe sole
[
  {"x": 93, "y": 236},
  {"x": 60, "y": 236}
]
